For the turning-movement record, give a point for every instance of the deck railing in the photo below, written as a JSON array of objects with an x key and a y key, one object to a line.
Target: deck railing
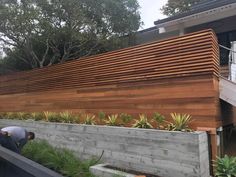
[{"x": 231, "y": 63}]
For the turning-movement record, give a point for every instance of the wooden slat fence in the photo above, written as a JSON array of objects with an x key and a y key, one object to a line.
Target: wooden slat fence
[
  {"x": 190, "y": 55},
  {"x": 174, "y": 75}
]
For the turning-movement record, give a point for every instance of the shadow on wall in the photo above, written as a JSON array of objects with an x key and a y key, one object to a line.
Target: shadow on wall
[{"x": 9, "y": 170}]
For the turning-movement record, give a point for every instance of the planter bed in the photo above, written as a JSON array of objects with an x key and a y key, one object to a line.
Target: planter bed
[{"x": 152, "y": 151}]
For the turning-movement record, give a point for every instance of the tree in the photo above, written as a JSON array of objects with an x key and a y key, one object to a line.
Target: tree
[
  {"x": 174, "y": 7},
  {"x": 39, "y": 33}
]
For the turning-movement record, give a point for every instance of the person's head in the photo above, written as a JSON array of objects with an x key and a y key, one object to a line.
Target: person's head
[{"x": 31, "y": 135}]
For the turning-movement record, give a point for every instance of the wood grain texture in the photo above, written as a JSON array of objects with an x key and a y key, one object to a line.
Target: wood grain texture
[{"x": 175, "y": 75}]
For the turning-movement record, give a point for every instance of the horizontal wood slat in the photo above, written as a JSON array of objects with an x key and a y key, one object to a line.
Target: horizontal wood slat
[
  {"x": 176, "y": 57},
  {"x": 174, "y": 75}
]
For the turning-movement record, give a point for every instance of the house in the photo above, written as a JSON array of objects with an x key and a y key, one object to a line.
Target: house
[
  {"x": 178, "y": 74},
  {"x": 218, "y": 15}
]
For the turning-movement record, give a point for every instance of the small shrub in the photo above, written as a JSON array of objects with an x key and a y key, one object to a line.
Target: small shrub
[
  {"x": 101, "y": 116},
  {"x": 76, "y": 118},
  {"x": 180, "y": 122},
  {"x": 142, "y": 122},
  {"x": 225, "y": 167},
  {"x": 89, "y": 119},
  {"x": 126, "y": 118},
  {"x": 22, "y": 115},
  {"x": 66, "y": 117},
  {"x": 3, "y": 115},
  {"x": 52, "y": 116},
  {"x": 11, "y": 115},
  {"x": 157, "y": 117},
  {"x": 37, "y": 116},
  {"x": 112, "y": 120}
]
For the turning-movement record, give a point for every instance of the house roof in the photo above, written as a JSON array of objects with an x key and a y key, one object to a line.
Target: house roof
[{"x": 203, "y": 6}]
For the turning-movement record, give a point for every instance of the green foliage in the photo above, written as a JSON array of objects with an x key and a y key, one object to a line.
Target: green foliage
[
  {"x": 225, "y": 167},
  {"x": 11, "y": 115},
  {"x": 142, "y": 122},
  {"x": 159, "y": 119},
  {"x": 22, "y": 115},
  {"x": 60, "y": 160},
  {"x": 126, "y": 118},
  {"x": 41, "y": 33},
  {"x": 180, "y": 122},
  {"x": 112, "y": 120},
  {"x": 101, "y": 115},
  {"x": 37, "y": 116},
  {"x": 89, "y": 119},
  {"x": 2, "y": 115},
  {"x": 67, "y": 117},
  {"x": 174, "y": 7},
  {"x": 51, "y": 116},
  {"x": 76, "y": 118}
]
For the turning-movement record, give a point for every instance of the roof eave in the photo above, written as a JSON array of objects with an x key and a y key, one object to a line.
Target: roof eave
[{"x": 201, "y": 17}]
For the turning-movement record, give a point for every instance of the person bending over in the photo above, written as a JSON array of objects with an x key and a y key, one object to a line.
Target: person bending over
[{"x": 14, "y": 138}]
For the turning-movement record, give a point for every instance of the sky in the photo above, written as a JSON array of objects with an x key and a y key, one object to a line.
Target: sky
[{"x": 150, "y": 11}]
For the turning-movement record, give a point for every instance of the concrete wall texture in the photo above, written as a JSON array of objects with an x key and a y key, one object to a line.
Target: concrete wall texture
[{"x": 164, "y": 153}]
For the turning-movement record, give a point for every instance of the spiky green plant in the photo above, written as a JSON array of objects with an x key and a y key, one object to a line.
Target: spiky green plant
[
  {"x": 180, "y": 122},
  {"x": 142, "y": 122},
  {"x": 225, "y": 167},
  {"x": 89, "y": 119},
  {"x": 66, "y": 117},
  {"x": 112, "y": 120},
  {"x": 159, "y": 119},
  {"x": 126, "y": 118},
  {"x": 51, "y": 116}
]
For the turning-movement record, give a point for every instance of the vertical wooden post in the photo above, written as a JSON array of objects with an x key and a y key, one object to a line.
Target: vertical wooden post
[{"x": 213, "y": 147}]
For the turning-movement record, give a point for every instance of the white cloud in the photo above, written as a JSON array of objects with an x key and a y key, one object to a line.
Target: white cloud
[{"x": 150, "y": 11}]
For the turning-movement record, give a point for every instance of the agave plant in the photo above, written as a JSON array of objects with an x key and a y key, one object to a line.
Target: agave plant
[
  {"x": 157, "y": 117},
  {"x": 142, "y": 122},
  {"x": 89, "y": 119},
  {"x": 225, "y": 167},
  {"x": 51, "y": 116},
  {"x": 67, "y": 117},
  {"x": 112, "y": 120},
  {"x": 180, "y": 122}
]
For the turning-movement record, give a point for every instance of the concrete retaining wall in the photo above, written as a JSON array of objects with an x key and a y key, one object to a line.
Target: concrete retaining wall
[{"x": 164, "y": 153}]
